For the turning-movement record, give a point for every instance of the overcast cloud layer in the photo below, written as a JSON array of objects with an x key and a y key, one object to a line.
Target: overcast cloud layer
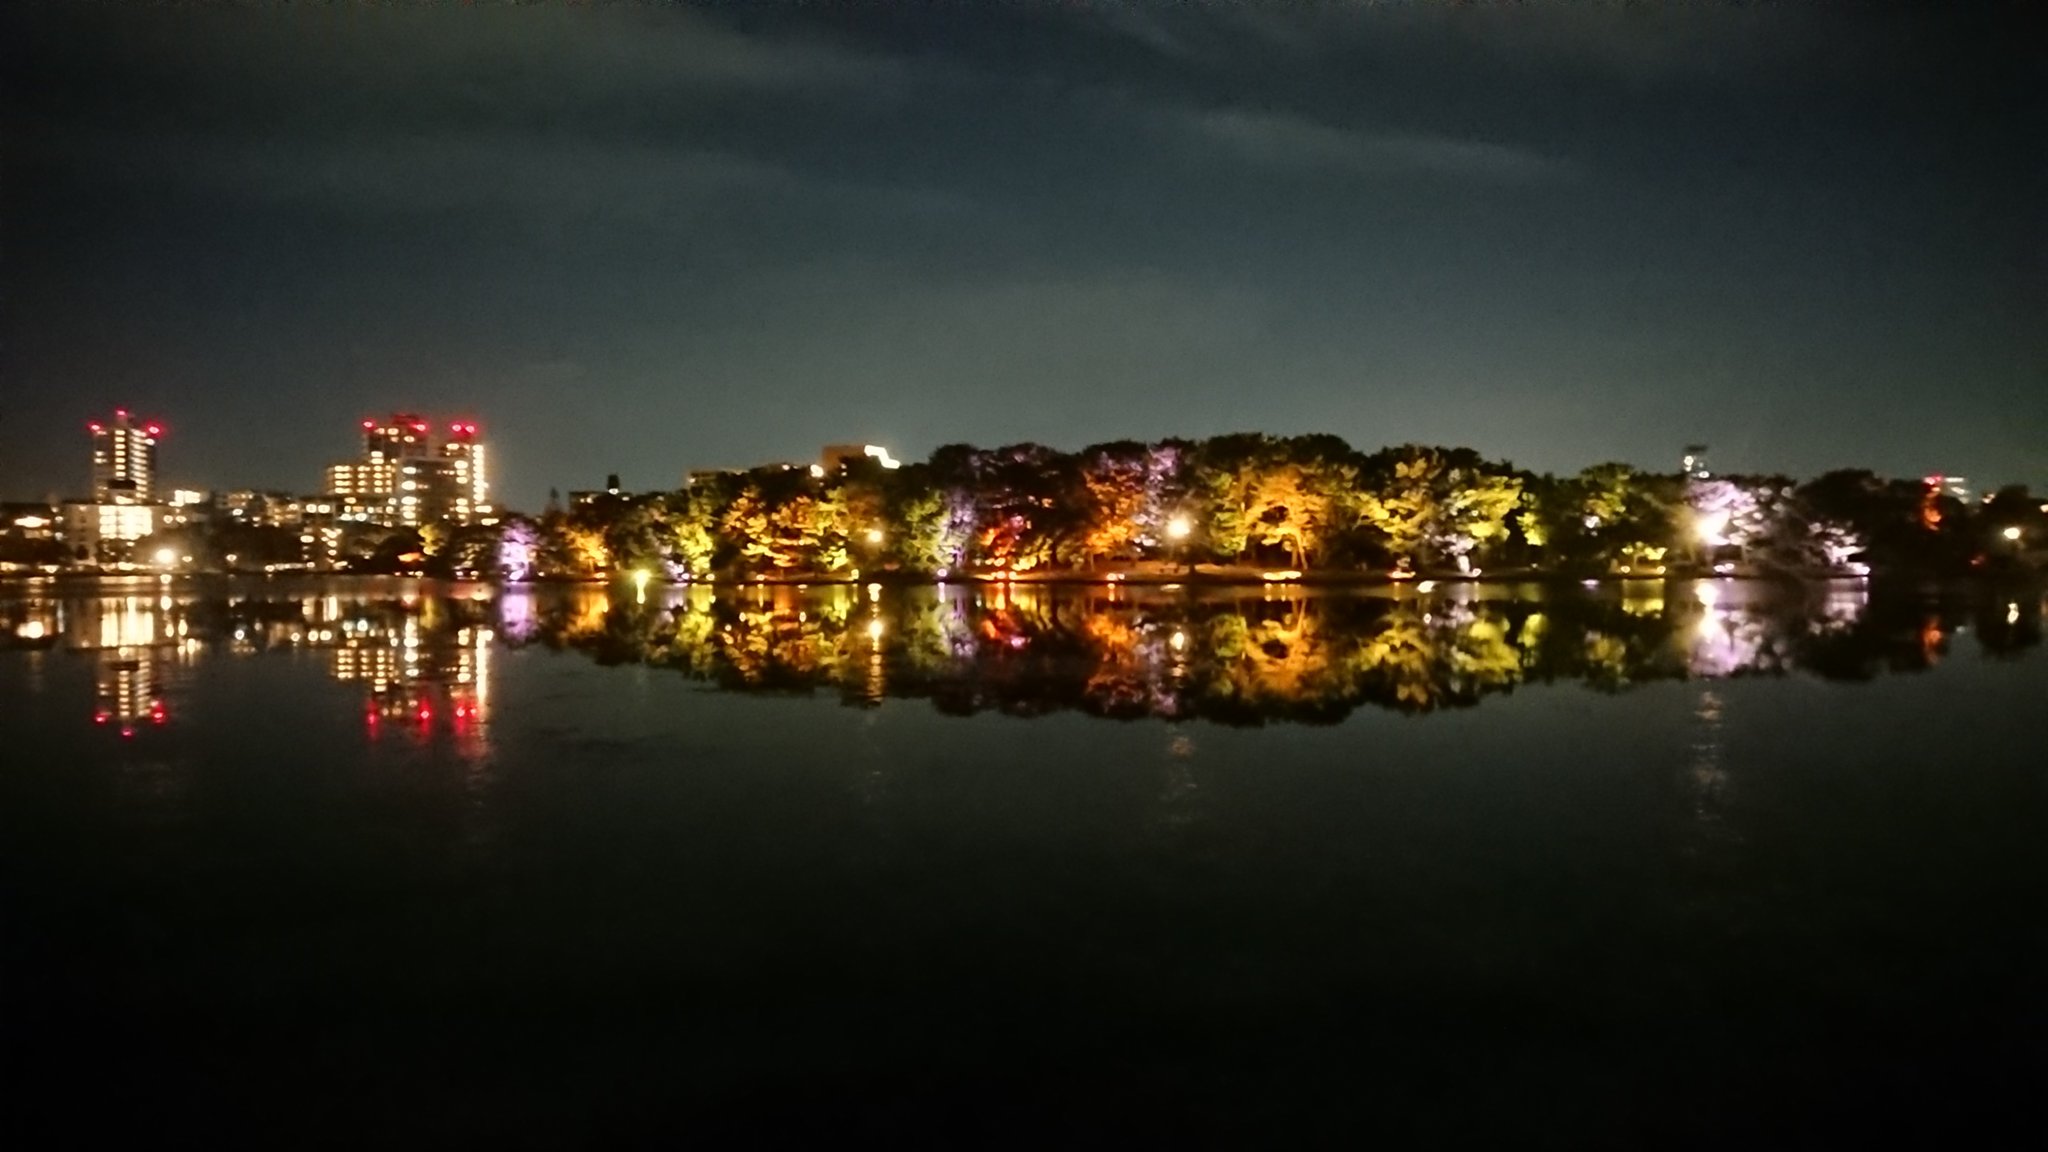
[{"x": 647, "y": 240}]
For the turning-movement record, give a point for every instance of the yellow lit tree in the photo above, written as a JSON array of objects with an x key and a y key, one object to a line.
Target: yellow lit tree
[{"x": 1430, "y": 504}]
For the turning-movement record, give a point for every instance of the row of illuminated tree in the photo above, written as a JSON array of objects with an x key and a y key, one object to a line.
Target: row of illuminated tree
[{"x": 1254, "y": 502}]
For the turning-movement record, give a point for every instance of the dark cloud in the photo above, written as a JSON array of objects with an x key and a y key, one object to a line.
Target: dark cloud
[{"x": 642, "y": 239}]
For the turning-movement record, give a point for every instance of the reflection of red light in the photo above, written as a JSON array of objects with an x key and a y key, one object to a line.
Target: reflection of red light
[
  {"x": 127, "y": 733},
  {"x": 99, "y": 717},
  {"x": 426, "y": 713}
]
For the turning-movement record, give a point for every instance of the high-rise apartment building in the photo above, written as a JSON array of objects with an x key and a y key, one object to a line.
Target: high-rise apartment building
[
  {"x": 123, "y": 459},
  {"x": 406, "y": 477},
  {"x": 122, "y": 509},
  {"x": 469, "y": 494}
]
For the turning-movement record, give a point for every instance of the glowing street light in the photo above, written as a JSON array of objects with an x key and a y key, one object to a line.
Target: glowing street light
[
  {"x": 1177, "y": 530},
  {"x": 2012, "y": 533},
  {"x": 1713, "y": 529},
  {"x": 166, "y": 557},
  {"x": 874, "y": 535}
]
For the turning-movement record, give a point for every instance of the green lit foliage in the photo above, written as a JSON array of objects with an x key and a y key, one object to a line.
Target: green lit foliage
[
  {"x": 434, "y": 538},
  {"x": 785, "y": 521},
  {"x": 1433, "y": 504},
  {"x": 929, "y": 527},
  {"x": 638, "y": 536},
  {"x": 1627, "y": 517},
  {"x": 693, "y": 520}
]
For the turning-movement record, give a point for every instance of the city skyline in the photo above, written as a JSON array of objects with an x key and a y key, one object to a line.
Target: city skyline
[
  {"x": 340, "y": 479},
  {"x": 649, "y": 242}
]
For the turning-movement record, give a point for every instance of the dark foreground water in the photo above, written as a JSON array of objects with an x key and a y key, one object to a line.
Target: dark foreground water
[{"x": 365, "y": 864}]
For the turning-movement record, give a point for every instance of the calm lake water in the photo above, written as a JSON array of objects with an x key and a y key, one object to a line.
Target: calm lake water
[{"x": 1696, "y": 865}]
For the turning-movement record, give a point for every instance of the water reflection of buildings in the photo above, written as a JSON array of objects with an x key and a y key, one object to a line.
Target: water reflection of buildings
[
  {"x": 423, "y": 660},
  {"x": 139, "y": 644},
  {"x": 413, "y": 675}
]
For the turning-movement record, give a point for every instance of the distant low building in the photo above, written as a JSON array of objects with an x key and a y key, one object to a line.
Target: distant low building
[
  {"x": 105, "y": 533},
  {"x": 31, "y": 521},
  {"x": 1955, "y": 486},
  {"x": 1694, "y": 463},
  {"x": 584, "y": 498},
  {"x": 31, "y": 535},
  {"x": 263, "y": 509},
  {"x": 832, "y": 458},
  {"x": 708, "y": 475}
]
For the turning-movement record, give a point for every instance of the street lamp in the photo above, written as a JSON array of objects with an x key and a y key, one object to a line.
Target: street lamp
[
  {"x": 874, "y": 535},
  {"x": 166, "y": 557},
  {"x": 2012, "y": 533},
  {"x": 1177, "y": 530}
]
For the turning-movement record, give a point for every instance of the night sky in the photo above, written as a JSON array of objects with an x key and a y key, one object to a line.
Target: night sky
[{"x": 641, "y": 241}]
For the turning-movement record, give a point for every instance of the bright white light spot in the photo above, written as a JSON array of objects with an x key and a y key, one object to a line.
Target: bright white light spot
[
  {"x": 1178, "y": 640},
  {"x": 875, "y": 629},
  {"x": 1713, "y": 528}
]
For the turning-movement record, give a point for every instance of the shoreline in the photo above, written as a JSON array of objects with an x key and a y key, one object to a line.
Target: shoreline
[{"x": 1199, "y": 579}]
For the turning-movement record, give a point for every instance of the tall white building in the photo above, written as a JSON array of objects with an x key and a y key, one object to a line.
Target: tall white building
[
  {"x": 123, "y": 459},
  {"x": 123, "y": 509}
]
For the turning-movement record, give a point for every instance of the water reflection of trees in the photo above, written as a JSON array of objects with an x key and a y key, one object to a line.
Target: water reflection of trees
[
  {"x": 1265, "y": 656},
  {"x": 1274, "y": 656}
]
